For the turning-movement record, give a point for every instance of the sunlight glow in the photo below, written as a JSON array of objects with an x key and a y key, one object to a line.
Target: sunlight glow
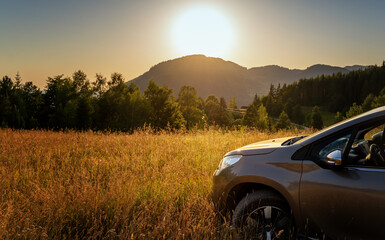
[{"x": 202, "y": 30}]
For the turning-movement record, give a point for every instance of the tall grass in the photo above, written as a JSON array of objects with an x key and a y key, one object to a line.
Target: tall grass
[{"x": 111, "y": 185}]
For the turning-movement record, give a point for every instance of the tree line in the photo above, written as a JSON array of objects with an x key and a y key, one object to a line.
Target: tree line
[
  {"x": 110, "y": 104},
  {"x": 340, "y": 90},
  {"x": 277, "y": 111},
  {"x": 345, "y": 95}
]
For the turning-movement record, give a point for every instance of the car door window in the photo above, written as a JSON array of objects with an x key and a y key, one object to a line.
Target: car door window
[
  {"x": 336, "y": 144},
  {"x": 321, "y": 149},
  {"x": 367, "y": 148}
]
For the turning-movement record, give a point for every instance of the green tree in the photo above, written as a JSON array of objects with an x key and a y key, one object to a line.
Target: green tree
[
  {"x": 188, "y": 100},
  {"x": 378, "y": 101},
  {"x": 338, "y": 117},
  {"x": 33, "y": 99},
  {"x": 353, "y": 111},
  {"x": 262, "y": 118},
  {"x": 84, "y": 112},
  {"x": 298, "y": 116},
  {"x": 288, "y": 108},
  {"x": 69, "y": 115},
  {"x": 250, "y": 117},
  {"x": 80, "y": 82},
  {"x": 165, "y": 111},
  {"x": 225, "y": 116},
  {"x": 175, "y": 119},
  {"x": 256, "y": 115},
  {"x": 216, "y": 111},
  {"x": 133, "y": 88},
  {"x": 121, "y": 108},
  {"x": 137, "y": 109},
  {"x": 13, "y": 112},
  {"x": 99, "y": 87},
  {"x": 6, "y": 89},
  {"x": 194, "y": 117},
  {"x": 316, "y": 118},
  {"x": 233, "y": 103},
  {"x": 212, "y": 98},
  {"x": 59, "y": 91},
  {"x": 283, "y": 121},
  {"x": 367, "y": 104},
  {"x": 222, "y": 103},
  {"x": 188, "y": 97},
  {"x": 116, "y": 79},
  {"x": 18, "y": 80},
  {"x": 213, "y": 109}
]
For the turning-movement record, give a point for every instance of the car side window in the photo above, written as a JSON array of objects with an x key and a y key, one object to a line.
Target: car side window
[
  {"x": 367, "y": 148},
  {"x": 374, "y": 131},
  {"x": 336, "y": 144}
]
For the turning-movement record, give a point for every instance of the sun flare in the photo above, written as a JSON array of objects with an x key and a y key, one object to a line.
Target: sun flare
[{"x": 202, "y": 30}]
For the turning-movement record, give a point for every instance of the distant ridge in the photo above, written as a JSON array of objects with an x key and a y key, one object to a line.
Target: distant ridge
[
  {"x": 227, "y": 79},
  {"x": 355, "y": 67}
]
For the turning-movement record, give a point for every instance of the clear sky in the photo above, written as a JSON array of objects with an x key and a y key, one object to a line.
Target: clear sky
[{"x": 42, "y": 38}]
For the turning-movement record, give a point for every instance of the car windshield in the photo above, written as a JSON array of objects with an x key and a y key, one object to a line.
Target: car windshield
[
  {"x": 323, "y": 130},
  {"x": 336, "y": 124}
]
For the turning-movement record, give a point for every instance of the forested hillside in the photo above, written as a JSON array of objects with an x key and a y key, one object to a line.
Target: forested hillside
[
  {"x": 227, "y": 79},
  {"x": 340, "y": 90},
  {"x": 345, "y": 95}
]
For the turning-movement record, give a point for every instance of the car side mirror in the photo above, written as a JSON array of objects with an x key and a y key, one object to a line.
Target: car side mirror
[{"x": 334, "y": 158}]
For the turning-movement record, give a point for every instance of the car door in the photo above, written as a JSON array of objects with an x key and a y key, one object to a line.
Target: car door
[{"x": 346, "y": 202}]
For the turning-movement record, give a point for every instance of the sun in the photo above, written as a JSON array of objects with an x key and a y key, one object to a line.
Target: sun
[{"x": 202, "y": 30}]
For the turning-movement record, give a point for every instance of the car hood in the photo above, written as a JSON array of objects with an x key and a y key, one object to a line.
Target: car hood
[{"x": 260, "y": 148}]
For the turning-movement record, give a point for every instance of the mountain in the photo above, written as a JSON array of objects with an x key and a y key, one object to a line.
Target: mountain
[
  {"x": 355, "y": 67},
  {"x": 227, "y": 79},
  {"x": 321, "y": 69}
]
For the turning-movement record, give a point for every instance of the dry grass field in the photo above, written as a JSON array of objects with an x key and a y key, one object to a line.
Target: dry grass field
[{"x": 112, "y": 185}]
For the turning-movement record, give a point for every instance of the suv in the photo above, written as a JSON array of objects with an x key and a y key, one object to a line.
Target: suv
[{"x": 329, "y": 184}]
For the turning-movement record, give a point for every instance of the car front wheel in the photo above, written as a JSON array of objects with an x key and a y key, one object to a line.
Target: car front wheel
[{"x": 264, "y": 215}]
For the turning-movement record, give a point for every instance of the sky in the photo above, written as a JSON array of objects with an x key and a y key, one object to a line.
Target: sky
[{"x": 43, "y": 38}]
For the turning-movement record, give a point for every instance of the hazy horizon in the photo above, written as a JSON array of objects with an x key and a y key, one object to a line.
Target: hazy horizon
[{"x": 45, "y": 38}]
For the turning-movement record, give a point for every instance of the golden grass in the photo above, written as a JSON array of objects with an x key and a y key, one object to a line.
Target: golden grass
[{"x": 98, "y": 185}]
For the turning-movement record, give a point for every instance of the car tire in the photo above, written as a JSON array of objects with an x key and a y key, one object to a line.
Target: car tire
[{"x": 264, "y": 215}]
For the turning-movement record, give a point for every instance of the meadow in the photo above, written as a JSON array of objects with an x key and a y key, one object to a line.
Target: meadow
[{"x": 145, "y": 185}]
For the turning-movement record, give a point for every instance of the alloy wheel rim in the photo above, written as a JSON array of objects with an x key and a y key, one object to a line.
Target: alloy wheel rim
[{"x": 268, "y": 222}]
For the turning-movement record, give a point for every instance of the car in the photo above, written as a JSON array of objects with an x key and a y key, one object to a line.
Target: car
[{"x": 330, "y": 184}]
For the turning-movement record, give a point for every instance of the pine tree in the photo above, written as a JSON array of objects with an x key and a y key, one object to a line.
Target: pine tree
[
  {"x": 283, "y": 121},
  {"x": 188, "y": 100},
  {"x": 353, "y": 111},
  {"x": 316, "y": 118},
  {"x": 233, "y": 103},
  {"x": 262, "y": 122}
]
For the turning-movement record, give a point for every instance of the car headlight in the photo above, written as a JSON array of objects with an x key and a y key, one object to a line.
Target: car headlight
[{"x": 229, "y": 160}]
